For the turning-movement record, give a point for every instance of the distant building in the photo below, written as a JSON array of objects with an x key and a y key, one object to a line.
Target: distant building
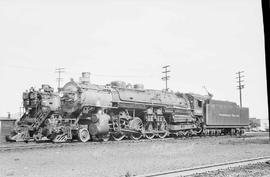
[
  {"x": 254, "y": 122},
  {"x": 12, "y": 116},
  {"x": 6, "y": 125},
  {"x": 265, "y": 124},
  {"x": 1, "y": 118}
]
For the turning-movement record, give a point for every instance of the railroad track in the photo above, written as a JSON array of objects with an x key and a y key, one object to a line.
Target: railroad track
[
  {"x": 43, "y": 145},
  {"x": 207, "y": 168}
]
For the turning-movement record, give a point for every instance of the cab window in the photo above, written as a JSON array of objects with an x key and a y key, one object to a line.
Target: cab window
[{"x": 199, "y": 103}]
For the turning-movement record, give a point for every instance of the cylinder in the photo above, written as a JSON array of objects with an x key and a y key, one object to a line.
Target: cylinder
[{"x": 101, "y": 127}]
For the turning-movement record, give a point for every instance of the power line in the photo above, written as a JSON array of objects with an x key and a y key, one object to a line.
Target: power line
[
  {"x": 93, "y": 74},
  {"x": 124, "y": 76},
  {"x": 26, "y": 68},
  {"x": 59, "y": 79},
  {"x": 166, "y": 77},
  {"x": 240, "y": 86}
]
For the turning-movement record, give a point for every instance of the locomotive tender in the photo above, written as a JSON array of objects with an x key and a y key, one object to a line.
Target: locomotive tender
[{"x": 86, "y": 111}]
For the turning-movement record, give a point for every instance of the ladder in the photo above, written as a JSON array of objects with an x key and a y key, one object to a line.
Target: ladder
[{"x": 40, "y": 117}]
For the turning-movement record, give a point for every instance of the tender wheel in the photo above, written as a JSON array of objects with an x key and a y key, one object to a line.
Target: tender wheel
[
  {"x": 237, "y": 132},
  {"x": 137, "y": 125},
  {"x": 242, "y": 132},
  {"x": 83, "y": 135},
  {"x": 37, "y": 137},
  {"x": 198, "y": 130},
  {"x": 118, "y": 136},
  {"x": 150, "y": 129}
]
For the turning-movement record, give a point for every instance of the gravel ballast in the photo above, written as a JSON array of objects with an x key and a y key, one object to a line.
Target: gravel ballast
[
  {"x": 253, "y": 170},
  {"x": 114, "y": 160}
]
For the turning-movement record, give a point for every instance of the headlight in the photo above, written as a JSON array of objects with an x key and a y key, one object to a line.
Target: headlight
[{"x": 61, "y": 94}]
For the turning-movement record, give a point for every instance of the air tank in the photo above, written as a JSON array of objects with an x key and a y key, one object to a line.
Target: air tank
[
  {"x": 138, "y": 86},
  {"x": 119, "y": 84}
]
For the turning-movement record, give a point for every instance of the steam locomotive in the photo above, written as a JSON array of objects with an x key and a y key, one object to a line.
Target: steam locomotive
[{"x": 85, "y": 111}]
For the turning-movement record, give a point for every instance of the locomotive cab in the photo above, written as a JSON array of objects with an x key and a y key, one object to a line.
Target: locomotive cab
[{"x": 197, "y": 103}]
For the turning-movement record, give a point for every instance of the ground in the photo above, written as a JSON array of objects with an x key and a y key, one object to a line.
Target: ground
[
  {"x": 253, "y": 170},
  {"x": 115, "y": 160}
]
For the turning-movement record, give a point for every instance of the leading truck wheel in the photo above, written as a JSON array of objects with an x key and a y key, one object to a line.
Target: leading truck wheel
[
  {"x": 37, "y": 137},
  {"x": 105, "y": 138},
  {"x": 83, "y": 135}
]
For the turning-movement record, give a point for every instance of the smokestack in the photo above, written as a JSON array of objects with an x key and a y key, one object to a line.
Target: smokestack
[{"x": 85, "y": 79}]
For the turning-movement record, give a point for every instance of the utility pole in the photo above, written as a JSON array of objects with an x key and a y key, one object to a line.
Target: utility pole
[
  {"x": 59, "y": 79},
  {"x": 166, "y": 77},
  {"x": 265, "y": 10},
  {"x": 21, "y": 112},
  {"x": 240, "y": 86},
  {"x": 9, "y": 115}
]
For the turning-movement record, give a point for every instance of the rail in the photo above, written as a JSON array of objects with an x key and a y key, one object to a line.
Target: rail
[
  {"x": 206, "y": 168},
  {"x": 44, "y": 145}
]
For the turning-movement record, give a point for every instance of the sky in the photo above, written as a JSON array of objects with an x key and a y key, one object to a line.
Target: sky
[{"x": 204, "y": 42}]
